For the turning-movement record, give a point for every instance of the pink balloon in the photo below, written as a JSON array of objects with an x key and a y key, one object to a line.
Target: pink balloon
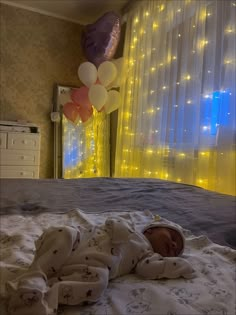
[
  {"x": 70, "y": 110},
  {"x": 85, "y": 112},
  {"x": 100, "y": 39},
  {"x": 80, "y": 96}
]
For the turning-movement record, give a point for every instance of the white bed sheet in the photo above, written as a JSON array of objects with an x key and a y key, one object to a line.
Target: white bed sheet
[{"x": 212, "y": 292}]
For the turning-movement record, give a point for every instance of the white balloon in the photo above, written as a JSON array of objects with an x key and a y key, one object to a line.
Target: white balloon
[
  {"x": 97, "y": 95},
  {"x": 107, "y": 72},
  {"x": 119, "y": 63},
  {"x": 113, "y": 102},
  {"x": 87, "y": 73}
]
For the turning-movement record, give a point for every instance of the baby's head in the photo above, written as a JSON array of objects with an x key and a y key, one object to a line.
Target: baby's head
[{"x": 166, "y": 239}]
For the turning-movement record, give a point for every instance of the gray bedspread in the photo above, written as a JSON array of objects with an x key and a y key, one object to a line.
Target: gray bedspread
[{"x": 196, "y": 209}]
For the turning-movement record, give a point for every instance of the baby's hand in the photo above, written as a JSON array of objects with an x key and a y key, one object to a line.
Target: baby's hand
[{"x": 176, "y": 267}]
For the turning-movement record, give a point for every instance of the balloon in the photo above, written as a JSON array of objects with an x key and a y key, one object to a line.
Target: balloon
[
  {"x": 80, "y": 96},
  {"x": 107, "y": 72},
  {"x": 119, "y": 63},
  {"x": 113, "y": 102},
  {"x": 70, "y": 110},
  {"x": 87, "y": 73},
  {"x": 97, "y": 95},
  {"x": 100, "y": 39},
  {"x": 85, "y": 112}
]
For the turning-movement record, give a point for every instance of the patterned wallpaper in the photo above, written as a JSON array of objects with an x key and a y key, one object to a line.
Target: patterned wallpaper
[{"x": 36, "y": 52}]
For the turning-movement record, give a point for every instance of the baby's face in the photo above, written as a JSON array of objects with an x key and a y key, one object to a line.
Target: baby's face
[{"x": 165, "y": 241}]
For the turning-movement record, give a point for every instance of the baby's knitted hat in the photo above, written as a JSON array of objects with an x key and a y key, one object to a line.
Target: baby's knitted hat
[{"x": 159, "y": 222}]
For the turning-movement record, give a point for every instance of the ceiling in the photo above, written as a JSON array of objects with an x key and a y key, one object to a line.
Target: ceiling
[{"x": 79, "y": 11}]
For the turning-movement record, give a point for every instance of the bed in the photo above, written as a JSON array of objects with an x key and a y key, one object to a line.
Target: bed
[{"x": 28, "y": 207}]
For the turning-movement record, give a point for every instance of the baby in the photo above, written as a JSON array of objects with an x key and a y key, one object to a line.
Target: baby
[{"x": 74, "y": 265}]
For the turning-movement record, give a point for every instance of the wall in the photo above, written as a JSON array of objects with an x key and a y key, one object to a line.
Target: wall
[{"x": 36, "y": 52}]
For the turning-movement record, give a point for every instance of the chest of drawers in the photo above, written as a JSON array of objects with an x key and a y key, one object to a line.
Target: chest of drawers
[{"x": 19, "y": 150}]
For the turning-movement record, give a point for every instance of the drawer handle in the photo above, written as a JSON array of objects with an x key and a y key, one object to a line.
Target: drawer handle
[
  {"x": 22, "y": 173},
  {"x": 22, "y": 157}
]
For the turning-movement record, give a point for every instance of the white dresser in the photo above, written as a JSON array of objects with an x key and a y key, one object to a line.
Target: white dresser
[{"x": 19, "y": 150}]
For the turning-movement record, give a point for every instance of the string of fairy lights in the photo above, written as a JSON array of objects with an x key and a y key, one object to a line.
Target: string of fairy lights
[{"x": 164, "y": 129}]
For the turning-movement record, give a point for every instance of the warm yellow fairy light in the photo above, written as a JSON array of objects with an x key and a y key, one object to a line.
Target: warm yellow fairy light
[
  {"x": 153, "y": 69},
  {"x": 161, "y": 7},
  {"x": 182, "y": 154},
  {"x": 154, "y": 26},
  {"x": 204, "y": 153},
  {"x": 178, "y": 180},
  {"x": 164, "y": 88},
  {"x": 174, "y": 57},
  {"x": 169, "y": 58},
  {"x": 202, "y": 15},
  {"x": 127, "y": 115},
  {"x": 147, "y": 13},
  {"x": 188, "y": 77},
  {"x": 136, "y": 20},
  {"x": 202, "y": 43},
  {"x": 229, "y": 30},
  {"x": 131, "y": 62}
]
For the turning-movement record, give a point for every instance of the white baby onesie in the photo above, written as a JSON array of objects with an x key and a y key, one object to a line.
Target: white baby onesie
[{"x": 72, "y": 266}]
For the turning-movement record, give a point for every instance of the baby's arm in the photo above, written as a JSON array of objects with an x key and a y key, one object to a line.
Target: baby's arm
[
  {"x": 157, "y": 267},
  {"x": 118, "y": 229}
]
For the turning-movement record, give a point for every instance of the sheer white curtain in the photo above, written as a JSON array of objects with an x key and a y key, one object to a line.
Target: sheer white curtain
[{"x": 177, "y": 121}]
